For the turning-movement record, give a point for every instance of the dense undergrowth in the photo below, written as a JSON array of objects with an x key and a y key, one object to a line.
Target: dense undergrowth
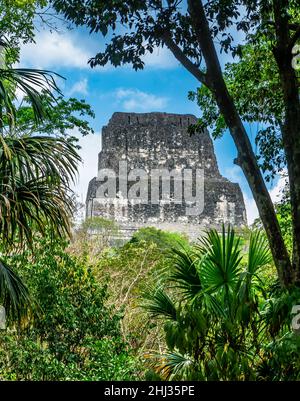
[{"x": 156, "y": 307}]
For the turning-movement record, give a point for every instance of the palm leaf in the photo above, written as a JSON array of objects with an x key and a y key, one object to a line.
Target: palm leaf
[
  {"x": 35, "y": 176},
  {"x": 259, "y": 253},
  {"x": 14, "y": 295},
  {"x": 184, "y": 273},
  {"x": 159, "y": 304},
  {"x": 34, "y": 83},
  {"x": 214, "y": 306},
  {"x": 221, "y": 257},
  {"x": 171, "y": 364}
]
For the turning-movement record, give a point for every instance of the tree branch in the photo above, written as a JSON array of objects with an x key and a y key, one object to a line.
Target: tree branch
[
  {"x": 246, "y": 156},
  {"x": 184, "y": 60}
]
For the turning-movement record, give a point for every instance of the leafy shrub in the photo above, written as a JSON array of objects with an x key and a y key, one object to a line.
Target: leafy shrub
[
  {"x": 218, "y": 321},
  {"x": 163, "y": 239},
  {"x": 129, "y": 270},
  {"x": 74, "y": 335}
]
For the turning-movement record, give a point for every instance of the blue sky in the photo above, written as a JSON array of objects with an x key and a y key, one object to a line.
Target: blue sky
[{"x": 162, "y": 86}]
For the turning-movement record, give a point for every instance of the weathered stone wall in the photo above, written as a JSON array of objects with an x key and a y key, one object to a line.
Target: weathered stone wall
[{"x": 160, "y": 140}]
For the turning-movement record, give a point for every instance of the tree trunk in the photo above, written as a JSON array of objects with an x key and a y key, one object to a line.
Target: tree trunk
[
  {"x": 246, "y": 158},
  {"x": 291, "y": 127}
]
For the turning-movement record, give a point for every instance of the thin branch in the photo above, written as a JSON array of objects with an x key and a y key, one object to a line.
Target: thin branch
[
  {"x": 184, "y": 60},
  {"x": 136, "y": 278}
]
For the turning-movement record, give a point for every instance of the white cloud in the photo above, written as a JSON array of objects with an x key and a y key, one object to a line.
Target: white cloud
[
  {"x": 161, "y": 58},
  {"x": 136, "y": 100},
  {"x": 251, "y": 209},
  {"x": 90, "y": 147},
  {"x": 80, "y": 87},
  {"x": 53, "y": 50},
  {"x": 235, "y": 174},
  {"x": 276, "y": 192}
]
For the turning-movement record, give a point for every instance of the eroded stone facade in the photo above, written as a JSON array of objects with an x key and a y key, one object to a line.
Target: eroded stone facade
[{"x": 158, "y": 141}]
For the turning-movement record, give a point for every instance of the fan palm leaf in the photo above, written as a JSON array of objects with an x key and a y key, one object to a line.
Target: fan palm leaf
[
  {"x": 158, "y": 304},
  {"x": 184, "y": 273},
  {"x": 171, "y": 364},
  {"x": 259, "y": 253},
  {"x": 220, "y": 260}
]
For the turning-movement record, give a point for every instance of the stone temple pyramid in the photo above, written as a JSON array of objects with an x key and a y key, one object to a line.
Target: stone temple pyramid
[{"x": 153, "y": 143}]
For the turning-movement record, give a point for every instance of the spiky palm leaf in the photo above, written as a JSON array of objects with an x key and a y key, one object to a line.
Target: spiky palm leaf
[
  {"x": 219, "y": 310},
  {"x": 34, "y": 83},
  {"x": 221, "y": 256},
  {"x": 259, "y": 254},
  {"x": 184, "y": 273},
  {"x": 213, "y": 305},
  {"x": 171, "y": 364},
  {"x": 159, "y": 304},
  {"x": 35, "y": 177},
  {"x": 14, "y": 295},
  {"x": 35, "y": 174}
]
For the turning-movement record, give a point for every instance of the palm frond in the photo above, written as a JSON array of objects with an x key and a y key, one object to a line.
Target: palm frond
[
  {"x": 14, "y": 295},
  {"x": 158, "y": 304},
  {"x": 34, "y": 83},
  {"x": 171, "y": 364},
  {"x": 213, "y": 305},
  {"x": 221, "y": 257},
  {"x": 259, "y": 253},
  {"x": 35, "y": 176},
  {"x": 184, "y": 273}
]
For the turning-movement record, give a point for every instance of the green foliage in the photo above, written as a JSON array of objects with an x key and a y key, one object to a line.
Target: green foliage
[
  {"x": 284, "y": 215},
  {"x": 254, "y": 83},
  {"x": 14, "y": 295},
  {"x": 93, "y": 238},
  {"x": 145, "y": 25},
  {"x": 184, "y": 272},
  {"x": 59, "y": 117},
  {"x": 16, "y": 19},
  {"x": 34, "y": 84},
  {"x": 74, "y": 335},
  {"x": 220, "y": 261},
  {"x": 99, "y": 224},
  {"x": 281, "y": 359},
  {"x": 35, "y": 176},
  {"x": 131, "y": 270},
  {"x": 163, "y": 239},
  {"x": 35, "y": 171},
  {"x": 221, "y": 320}
]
